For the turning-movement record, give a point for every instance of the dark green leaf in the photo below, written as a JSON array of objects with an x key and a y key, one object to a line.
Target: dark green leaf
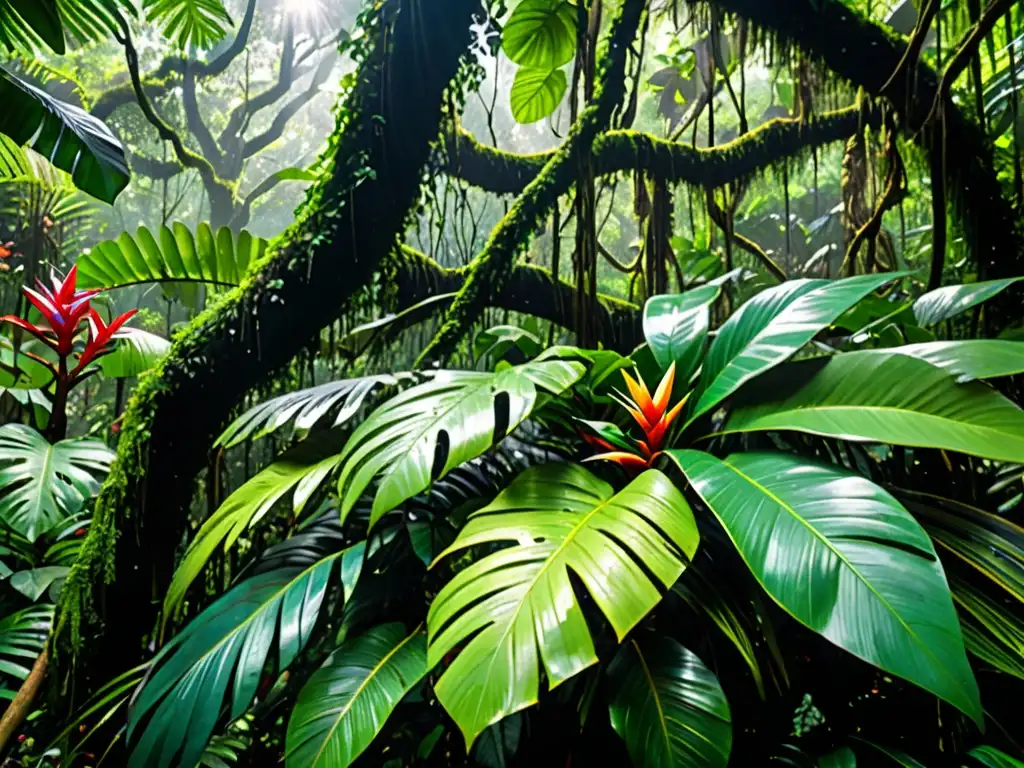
[
  {"x": 968, "y": 360},
  {"x": 950, "y": 300},
  {"x": 676, "y": 328},
  {"x": 346, "y": 702},
  {"x": 70, "y": 138},
  {"x": 668, "y": 706},
  {"x": 846, "y": 559},
  {"x": 880, "y": 396}
]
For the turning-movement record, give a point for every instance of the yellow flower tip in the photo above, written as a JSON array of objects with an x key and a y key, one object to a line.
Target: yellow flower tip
[{"x": 664, "y": 391}]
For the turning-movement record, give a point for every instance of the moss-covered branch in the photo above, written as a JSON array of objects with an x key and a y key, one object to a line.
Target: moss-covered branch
[
  {"x": 349, "y": 223},
  {"x": 866, "y": 54},
  {"x": 529, "y": 290},
  {"x": 494, "y": 170},
  {"x": 491, "y": 269}
]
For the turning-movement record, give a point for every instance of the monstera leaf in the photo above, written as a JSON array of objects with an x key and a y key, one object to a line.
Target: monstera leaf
[
  {"x": 676, "y": 329},
  {"x": 430, "y": 429},
  {"x": 846, "y": 559},
  {"x": 70, "y": 138},
  {"x": 668, "y": 706},
  {"x": 771, "y": 327},
  {"x": 306, "y": 408},
  {"x": 950, "y": 300},
  {"x": 173, "y": 254},
  {"x": 346, "y": 702},
  {"x": 541, "y": 34},
  {"x": 516, "y": 608},
  {"x": 201, "y": 23},
  {"x": 226, "y": 648},
  {"x": 40, "y": 483},
  {"x": 879, "y": 396}
]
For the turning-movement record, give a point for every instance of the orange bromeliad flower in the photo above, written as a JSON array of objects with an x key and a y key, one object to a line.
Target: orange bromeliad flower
[{"x": 651, "y": 413}]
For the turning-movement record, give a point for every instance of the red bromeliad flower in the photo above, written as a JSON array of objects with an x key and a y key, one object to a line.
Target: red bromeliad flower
[
  {"x": 64, "y": 310},
  {"x": 651, "y": 413}
]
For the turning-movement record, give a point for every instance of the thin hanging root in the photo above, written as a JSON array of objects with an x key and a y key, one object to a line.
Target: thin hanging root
[
  {"x": 719, "y": 217},
  {"x": 895, "y": 191}
]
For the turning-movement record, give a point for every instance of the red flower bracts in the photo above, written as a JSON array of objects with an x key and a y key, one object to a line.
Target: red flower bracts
[
  {"x": 65, "y": 310},
  {"x": 651, "y": 413}
]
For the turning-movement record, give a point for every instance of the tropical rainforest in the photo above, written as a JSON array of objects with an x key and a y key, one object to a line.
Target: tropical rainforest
[{"x": 511, "y": 383}]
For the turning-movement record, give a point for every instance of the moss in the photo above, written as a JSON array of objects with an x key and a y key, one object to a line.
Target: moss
[{"x": 371, "y": 177}]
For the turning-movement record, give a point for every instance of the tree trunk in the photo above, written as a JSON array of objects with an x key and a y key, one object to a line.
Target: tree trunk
[{"x": 350, "y": 222}]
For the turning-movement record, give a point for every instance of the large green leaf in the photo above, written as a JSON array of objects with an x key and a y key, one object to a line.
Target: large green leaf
[
  {"x": 541, "y": 34},
  {"x": 516, "y": 609},
  {"x": 676, "y": 329},
  {"x": 990, "y": 757},
  {"x": 968, "y": 360},
  {"x": 220, "y": 656},
  {"x": 306, "y": 408},
  {"x": 838, "y": 758},
  {"x": 70, "y": 138},
  {"x": 428, "y": 430},
  {"x": 536, "y": 93},
  {"x": 879, "y": 396},
  {"x": 386, "y": 329},
  {"x": 135, "y": 352},
  {"x": 200, "y": 23},
  {"x": 301, "y": 469},
  {"x": 40, "y": 483},
  {"x": 950, "y": 300},
  {"x": 22, "y": 638},
  {"x": 173, "y": 254},
  {"x": 846, "y": 559},
  {"x": 771, "y": 327},
  {"x": 346, "y": 702},
  {"x": 668, "y": 706}
]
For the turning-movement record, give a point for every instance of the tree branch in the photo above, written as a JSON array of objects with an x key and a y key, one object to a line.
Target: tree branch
[
  {"x": 288, "y": 111},
  {"x": 194, "y": 119},
  {"x": 286, "y": 76},
  {"x": 530, "y": 290}
]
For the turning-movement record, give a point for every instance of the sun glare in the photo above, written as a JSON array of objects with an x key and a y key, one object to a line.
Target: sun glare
[{"x": 304, "y": 13}]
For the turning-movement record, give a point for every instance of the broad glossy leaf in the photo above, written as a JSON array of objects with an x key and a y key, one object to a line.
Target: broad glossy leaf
[
  {"x": 41, "y": 484},
  {"x": 499, "y": 743},
  {"x": 220, "y": 656},
  {"x": 990, "y": 757},
  {"x": 70, "y": 138},
  {"x": 879, "y": 396},
  {"x": 771, "y": 327},
  {"x": 950, "y": 300},
  {"x": 846, "y": 559},
  {"x": 515, "y": 610},
  {"x": 33, "y": 583},
  {"x": 990, "y": 544},
  {"x": 346, "y": 702},
  {"x": 301, "y": 469},
  {"x": 676, "y": 328},
  {"x": 668, "y": 706},
  {"x": 428, "y": 430},
  {"x": 897, "y": 756},
  {"x": 536, "y": 93},
  {"x": 201, "y": 23},
  {"x": 135, "y": 352},
  {"x": 968, "y": 360},
  {"x": 170, "y": 255},
  {"x": 541, "y": 34},
  {"x": 498, "y": 340},
  {"x": 306, "y": 408}
]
